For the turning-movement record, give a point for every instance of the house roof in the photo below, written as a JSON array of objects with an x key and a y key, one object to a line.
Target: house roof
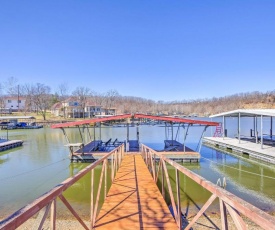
[
  {"x": 247, "y": 113},
  {"x": 14, "y": 98},
  {"x": 92, "y": 103},
  {"x": 57, "y": 105},
  {"x": 16, "y": 117},
  {"x": 71, "y": 98}
]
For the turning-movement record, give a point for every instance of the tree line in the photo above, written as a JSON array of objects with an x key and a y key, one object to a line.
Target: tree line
[{"x": 40, "y": 98}]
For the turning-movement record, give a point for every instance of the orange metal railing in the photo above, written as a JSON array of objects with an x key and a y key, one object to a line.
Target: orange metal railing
[
  {"x": 229, "y": 203},
  {"x": 48, "y": 200}
]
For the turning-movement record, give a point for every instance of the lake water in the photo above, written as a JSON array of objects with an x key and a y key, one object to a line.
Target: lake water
[{"x": 43, "y": 162}]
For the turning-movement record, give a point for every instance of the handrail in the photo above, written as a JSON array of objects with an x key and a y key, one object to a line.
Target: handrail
[
  {"x": 228, "y": 201},
  {"x": 48, "y": 200}
]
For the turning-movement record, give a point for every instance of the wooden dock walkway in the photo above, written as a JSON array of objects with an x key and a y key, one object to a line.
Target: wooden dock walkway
[{"x": 134, "y": 200}]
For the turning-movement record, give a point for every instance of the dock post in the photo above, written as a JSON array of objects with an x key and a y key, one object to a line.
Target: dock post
[
  {"x": 256, "y": 129},
  {"x": 80, "y": 134},
  {"x": 239, "y": 128},
  {"x": 94, "y": 131},
  {"x": 172, "y": 134},
  {"x": 127, "y": 132},
  {"x": 261, "y": 131},
  {"x": 89, "y": 133},
  {"x": 138, "y": 133},
  {"x": 99, "y": 130},
  {"x": 68, "y": 141},
  {"x": 223, "y": 127},
  {"x": 271, "y": 124}
]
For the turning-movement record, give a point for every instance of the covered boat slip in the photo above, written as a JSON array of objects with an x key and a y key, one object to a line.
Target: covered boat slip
[
  {"x": 18, "y": 122},
  {"x": 95, "y": 149},
  {"x": 258, "y": 144}
]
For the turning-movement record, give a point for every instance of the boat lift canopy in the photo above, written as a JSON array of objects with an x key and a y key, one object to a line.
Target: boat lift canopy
[
  {"x": 247, "y": 113},
  {"x": 171, "y": 120},
  {"x": 125, "y": 116},
  {"x": 254, "y": 113}
]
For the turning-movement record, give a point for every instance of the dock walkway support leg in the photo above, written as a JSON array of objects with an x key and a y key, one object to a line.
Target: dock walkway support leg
[{"x": 68, "y": 141}]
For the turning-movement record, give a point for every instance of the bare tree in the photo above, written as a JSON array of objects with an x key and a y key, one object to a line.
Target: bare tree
[
  {"x": 111, "y": 97},
  {"x": 2, "y": 102},
  {"x": 82, "y": 94},
  {"x": 99, "y": 98},
  {"x": 27, "y": 92},
  {"x": 41, "y": 98},
  {"x": 12, "y": 86},
  {"x": 63, "y": 91}
]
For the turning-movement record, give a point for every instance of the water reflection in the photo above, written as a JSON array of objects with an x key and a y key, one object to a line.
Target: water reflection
[{"x": 43, "y": 162}]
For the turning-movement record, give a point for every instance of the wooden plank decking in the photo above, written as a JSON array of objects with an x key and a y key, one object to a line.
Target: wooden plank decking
[{"x": 134, "y": 200}]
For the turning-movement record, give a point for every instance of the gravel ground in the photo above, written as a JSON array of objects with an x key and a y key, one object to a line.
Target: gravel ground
[{"x": 203, "y": 223}]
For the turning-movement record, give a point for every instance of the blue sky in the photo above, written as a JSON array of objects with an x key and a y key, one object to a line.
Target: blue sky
[{"x": 155, "y": 49}]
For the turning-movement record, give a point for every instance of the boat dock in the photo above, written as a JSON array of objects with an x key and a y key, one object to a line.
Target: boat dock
[
  {"x": 134, "y": 200},
  {"x": 95, "y": 150},
  {"x": 254, "y": 150},
  {"x": 6, "y": 144}
]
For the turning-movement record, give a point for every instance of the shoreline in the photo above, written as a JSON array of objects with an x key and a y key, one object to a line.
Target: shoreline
[{"x": 211, "y": 220}]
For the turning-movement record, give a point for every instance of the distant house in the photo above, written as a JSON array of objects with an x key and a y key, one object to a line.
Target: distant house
[
  {"x": 92, "y": 110},
  {"x": 57, "y": 110},
  {"x": 14, "y": 103},
  {"x": 111, "y": 111},
  {"x": 71, "y": 109}
]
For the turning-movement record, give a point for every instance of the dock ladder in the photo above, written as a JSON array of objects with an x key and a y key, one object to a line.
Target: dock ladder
[{"x": 218, "y": 131}]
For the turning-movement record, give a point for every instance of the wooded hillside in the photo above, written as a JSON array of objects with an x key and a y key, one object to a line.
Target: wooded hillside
[{"x": 40, "y": 97}]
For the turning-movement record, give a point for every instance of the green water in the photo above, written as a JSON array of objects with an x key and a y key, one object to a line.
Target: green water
[{"x": 43, "y": 162}]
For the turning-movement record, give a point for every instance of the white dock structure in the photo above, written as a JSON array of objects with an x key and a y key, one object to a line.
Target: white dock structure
[
  {"x": 267, "y": 153},
  {"x": 257, "y": 145}
]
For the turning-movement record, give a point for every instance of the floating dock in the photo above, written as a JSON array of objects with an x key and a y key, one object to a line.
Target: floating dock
[
  {"x": 254, "y": 150},
  {"x": 95, "y": 150},
  {"x": 134, "y": 200},
  {"x": 92, "y": 151},
  {"x": 176, "y": 151},
  {"x": 5, "y": 144}
]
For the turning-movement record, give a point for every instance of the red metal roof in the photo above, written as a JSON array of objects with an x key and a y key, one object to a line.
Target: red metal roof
[
  {"x": 89, "y": 121},
  {"x": 124, "y": 116}
]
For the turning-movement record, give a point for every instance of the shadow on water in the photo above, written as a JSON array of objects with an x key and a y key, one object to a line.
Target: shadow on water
[
  {"x": 193, "y": 196},
  {"x": 79, "y": 194}
]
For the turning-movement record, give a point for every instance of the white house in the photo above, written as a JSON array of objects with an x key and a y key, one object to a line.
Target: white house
[
  {"x": 71, "y": 108},
  {"x": 14, "y": 103}
]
